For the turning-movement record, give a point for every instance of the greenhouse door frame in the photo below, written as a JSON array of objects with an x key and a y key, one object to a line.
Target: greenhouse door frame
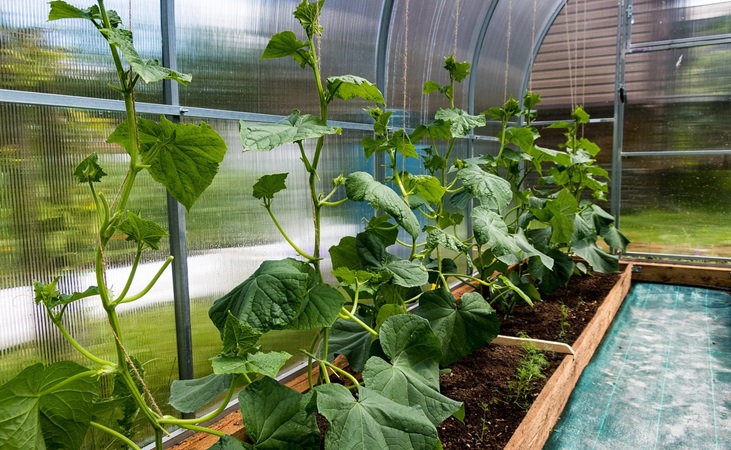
[{"x": 626, "y": 47}]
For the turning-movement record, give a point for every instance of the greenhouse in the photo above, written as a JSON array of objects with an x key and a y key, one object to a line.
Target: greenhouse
[{"x": 383, "y": 224}]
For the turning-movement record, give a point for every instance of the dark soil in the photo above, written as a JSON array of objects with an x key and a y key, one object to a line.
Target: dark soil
[{"x": 481, "y": 379}]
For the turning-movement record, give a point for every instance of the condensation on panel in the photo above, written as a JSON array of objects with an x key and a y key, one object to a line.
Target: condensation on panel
[
  {"x": 679, "y": 19},
  {"x": 70, "y": 56},
  {"x": 230, "y": 234},
  {"x": 679, "y": 100},
  {"x": 677, "y": 205},
  {"x": 431, "y": 26},
  {"x": 576, "y": 63}
]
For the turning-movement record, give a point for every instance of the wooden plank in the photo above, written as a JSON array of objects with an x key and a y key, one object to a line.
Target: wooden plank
[
  {"x": 683, "y": 274},
  {"x": 551, "y": 346},
  {"x": 533, "y": 432}
]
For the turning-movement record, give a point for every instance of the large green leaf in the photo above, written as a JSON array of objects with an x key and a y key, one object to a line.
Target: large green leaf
[
  {"x": 599, "y": 260},
  {"x": 48, "y": 295},
  {"x": 188, "y": 396},
  {"x": 383, "y": 228},
  {"x": 270, "y": 299},
  {"x": 556, "y": 277},
  {"x": 614, "y": 238},
  {"x": 360, "y": 186},
  {"x": 294, "y": 128},
  {"x": 373, "y": 256},
  {"x": 349, "y": 339},
  {"x": 63, "y": 10},
  {"x": 227, "y": 442},
  {"x": 492, "y": 191},
  {"x": 412, "y": 376},
  {"x": 182, "y": 157},
  {"x": 528, "y": 250},
  {"x": 462, "y": 328},
  {"x": 264, "y": 363},
  {"x": 286, "y": 44},
  {"x": 490, "y": 228},
  {"x": 425, "y": 186},
  {"x": 275, "y": 417},
  {"x": 372, "y": 422},
  {"x": 150, "y": 70},
  {"x": 141, "y": 231},
  {"x": 344, "y": 254},
  {"x": 321, "y": 307},
  {"x": 346, "y": 87},
  {"x": 460, "y": 122},
  {"x": 41, "y": 408},
  {"x": 563, "y": 210},
  {"x": 437, "y": 237}
]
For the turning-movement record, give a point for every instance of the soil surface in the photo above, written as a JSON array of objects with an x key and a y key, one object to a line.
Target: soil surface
[{"x": 481, "y": 380}]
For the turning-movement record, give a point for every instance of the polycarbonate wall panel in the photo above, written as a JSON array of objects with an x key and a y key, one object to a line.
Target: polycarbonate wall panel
[
  {"x": 679, "y": 19},
  {"x": 230, "y": 234},
  {"x": 222, "y": 47},
  {"x": 677, "y": 205},
  {"x": 511, "y": 38},
  {"x": 576, "y": 63},
  {"x": 49, "y": 229},
  {"x": 431, "y": 33},
  {"x": 679, "y": 100},
  {"x": 70, "y": 56}
]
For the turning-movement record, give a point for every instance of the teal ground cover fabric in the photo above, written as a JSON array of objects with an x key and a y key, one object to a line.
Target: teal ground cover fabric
[{"x": 661, "y": 378}]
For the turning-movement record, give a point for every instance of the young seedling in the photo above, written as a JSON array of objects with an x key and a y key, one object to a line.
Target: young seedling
[{"x": 529, "y": 370}]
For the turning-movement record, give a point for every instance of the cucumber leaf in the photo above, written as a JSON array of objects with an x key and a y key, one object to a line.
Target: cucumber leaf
[
  {"x": 42, "y": 409},
  {"x": 188, "y": 396},
  {"x": 276, "y": 417},
  {"x": 346, "y": 87},
  {"x": 360, "y": 186},
  {"x": 294, "y": 128}
]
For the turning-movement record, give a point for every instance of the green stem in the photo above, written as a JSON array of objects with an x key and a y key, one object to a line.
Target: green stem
[
  {"x": 80, "y": 348},
  {"x": 207, "y": 417},
  {"x": 115, "y": 434},
  {"x": 202, "y": 430},
  {"x": 359, "y": 322},
  {"x": 132, "y": 272},
  {"x": 286, "y": 237},
  {"x": 55, "y": 387},
  {"x": 336, "y": 369},
  {"x": 149, "y": 286},
  {"x": 337, "y": 203}
]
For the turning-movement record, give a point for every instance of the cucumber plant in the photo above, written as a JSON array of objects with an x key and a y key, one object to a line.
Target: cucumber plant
[{"x": 55, "y": 406}]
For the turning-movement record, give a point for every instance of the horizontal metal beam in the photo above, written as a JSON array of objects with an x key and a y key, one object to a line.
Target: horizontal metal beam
[
  {"x": 543, "y": 123},
  {"x": 70, "y": 101},
  {"x": 670, "y": 153},
  {"x": 670, "y": 44},
  {"x": 678, "y": 257}
]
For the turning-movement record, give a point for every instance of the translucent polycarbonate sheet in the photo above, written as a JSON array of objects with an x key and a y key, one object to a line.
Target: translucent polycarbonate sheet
[
  {"x": 576, "y": 63},
  {"x": 49, "y": 229},
  {"x": 668, "y": 20},
  {"x": 70, "y": 56},
  {"x": 423, "y": 37},
  {"x": 230, "y": 234},
  {"x": 222, "y": 47},
  {"x": 513, "y": 34},
  {"x": 677, "y": 204},
  {"x": 679, "y": 100}
]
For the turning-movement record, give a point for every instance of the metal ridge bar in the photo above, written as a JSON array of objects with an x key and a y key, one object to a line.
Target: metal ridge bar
[
  {"x": 680, "y": 43},
  {"x": 665, "y": 153},
  {"x": 678, "y": 256}
]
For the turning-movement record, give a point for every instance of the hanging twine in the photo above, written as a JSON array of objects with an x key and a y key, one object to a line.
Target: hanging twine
[
  {"x": 405, "y": 61},
  {"x": 533, "y": 45},
  {"x": 456, "y": 28},
  {"x": 583, "y": 56},
  {"x": 507, "y": 51},
  {"x": 568, "y": 46}
]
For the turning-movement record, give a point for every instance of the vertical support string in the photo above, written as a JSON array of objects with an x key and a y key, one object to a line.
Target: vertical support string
[
  {"x": 568, "y": 47},
  {"x": 583, "y": 56},
  {"x": 507, "y": 50},
  {"x": 533, "y": 46},
  {"x": 405, "y": 61},
  {"x": 456, "y": 27}
]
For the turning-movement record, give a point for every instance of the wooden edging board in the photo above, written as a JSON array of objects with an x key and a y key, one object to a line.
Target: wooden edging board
[{"x": 535, "y": 428}]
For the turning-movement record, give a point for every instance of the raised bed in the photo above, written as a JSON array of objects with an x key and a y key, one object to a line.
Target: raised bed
[{"x": 542, "y": 416}]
